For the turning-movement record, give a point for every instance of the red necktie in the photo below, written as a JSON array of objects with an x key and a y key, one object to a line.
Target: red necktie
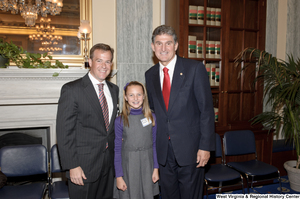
[
  {"x": 166, "y": 87},
  {"x": 104, "y": 106}
]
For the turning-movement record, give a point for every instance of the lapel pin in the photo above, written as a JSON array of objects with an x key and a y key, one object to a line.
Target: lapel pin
[{"x": 180, "y": 73}]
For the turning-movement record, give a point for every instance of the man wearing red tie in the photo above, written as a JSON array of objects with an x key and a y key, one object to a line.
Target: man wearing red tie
[{"x": 180, "y": 95}]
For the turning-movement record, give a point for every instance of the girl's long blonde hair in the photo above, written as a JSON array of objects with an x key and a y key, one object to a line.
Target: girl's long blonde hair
[{"x": 126, "y": 107}]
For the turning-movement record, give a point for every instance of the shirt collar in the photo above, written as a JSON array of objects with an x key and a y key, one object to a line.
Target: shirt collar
[
  {"x": 171, "y": 65},
  {"x": 95, "y": 81}
]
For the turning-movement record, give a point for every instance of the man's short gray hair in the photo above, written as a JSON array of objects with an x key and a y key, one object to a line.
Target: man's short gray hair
[{"x": 163, "y": 29}]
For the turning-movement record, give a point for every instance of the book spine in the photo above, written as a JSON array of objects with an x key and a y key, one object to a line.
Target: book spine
[
  {"x": 217, "y": 76},
  {"x": 207, "y": 49},
  {"x": 192, "y": 14},
  {"x": 213, "y": 17},
  {"x": 208, "y": 15},
  {"x": 207, "y": 66},
  {"x": 216, "y": 114},
  {"x": 218, "y": 16},
  {"x": 192, "y": 46},
  {"x": 212, "y": 74},
  {"x": 200, "y": 15},
  {"x": 217, "y": 49},
  {"x": 199, "y": 44},
  {"x": 211, "y": 49}
]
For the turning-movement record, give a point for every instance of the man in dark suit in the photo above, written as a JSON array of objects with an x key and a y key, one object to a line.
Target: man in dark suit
[
  {"x": 181, "y": 98},
  {"x": 85, "y": 128}
]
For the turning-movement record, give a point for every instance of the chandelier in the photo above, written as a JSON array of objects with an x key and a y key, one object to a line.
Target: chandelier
[
  {"x": 47, "y": 43},
  {"x": 44, "y": 26},
  {"x": 49, "y": 46},
  {"x": 30, "y": 11},
  {"x": 45, "y": 37},
  {"x": 50, "y": 49},
  {"x": 44, "y": 32}
]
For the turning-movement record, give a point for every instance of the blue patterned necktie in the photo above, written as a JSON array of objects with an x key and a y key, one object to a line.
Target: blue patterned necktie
[{"x": 104, "y": 106}]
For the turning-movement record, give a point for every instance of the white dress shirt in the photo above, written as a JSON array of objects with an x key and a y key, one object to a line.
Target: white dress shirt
[
  {"x": 171, "y": 67},
  {"x": 107, "y": 94}
]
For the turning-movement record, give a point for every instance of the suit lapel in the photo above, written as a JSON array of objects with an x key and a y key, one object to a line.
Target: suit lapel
[
  {"x": 178, "y": 77},
  {"x": 115, "y": 102},
  {"x": 92, "y": 97},
  {"x": 157, "y": 86}
]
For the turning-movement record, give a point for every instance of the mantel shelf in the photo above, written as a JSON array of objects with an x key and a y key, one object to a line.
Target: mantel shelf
[{"x": 33, "y": 73}]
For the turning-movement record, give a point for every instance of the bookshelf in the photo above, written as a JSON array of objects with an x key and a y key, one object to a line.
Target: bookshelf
[
  {"x": 236, "y": 99},
  {"x": 242, "y": 24}
]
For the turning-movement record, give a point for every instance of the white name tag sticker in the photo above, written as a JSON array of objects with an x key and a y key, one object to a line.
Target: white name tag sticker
[{"x": 145, "y": 122}]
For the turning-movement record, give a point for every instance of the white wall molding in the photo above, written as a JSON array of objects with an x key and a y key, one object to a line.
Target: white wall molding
[{"x": 29, "y": 97}]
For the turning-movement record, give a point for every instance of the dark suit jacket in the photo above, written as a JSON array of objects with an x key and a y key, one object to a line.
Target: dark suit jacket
[
  {"x": 80, "y": 128},
  {"x": 189, "y": 120}
]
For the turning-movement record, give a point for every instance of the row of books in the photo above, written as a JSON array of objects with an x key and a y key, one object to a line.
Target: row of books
[
  {"x": 213, "y": 72},
  {"x": 213, "y": 49},
  {"x": 216, "y": 114},
  {"x": 196, "y": 15},
  {"x": 195, "y": 48}
]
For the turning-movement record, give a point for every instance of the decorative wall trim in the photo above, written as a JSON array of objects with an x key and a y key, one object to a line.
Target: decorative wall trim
[
  {"x": 29, "y": 97},
  {"x": 31, "y": 86},
  {"x": 14, "y": 71}
]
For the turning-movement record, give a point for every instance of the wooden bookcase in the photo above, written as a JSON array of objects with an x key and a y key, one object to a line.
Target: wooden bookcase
[{"x": 243, "y": 24}]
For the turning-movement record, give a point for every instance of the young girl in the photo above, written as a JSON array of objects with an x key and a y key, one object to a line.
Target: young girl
[{"x": 136, "y": 164}]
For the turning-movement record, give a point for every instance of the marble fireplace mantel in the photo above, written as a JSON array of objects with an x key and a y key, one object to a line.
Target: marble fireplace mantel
[
  {"x": 31, "y": 86},
  {"x": 28, "y": 97}
]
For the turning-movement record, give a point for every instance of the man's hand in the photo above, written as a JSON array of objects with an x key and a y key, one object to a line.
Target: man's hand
[
  {"x": 202, "y": 158},
  {"x": 76, "y": 176}
]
